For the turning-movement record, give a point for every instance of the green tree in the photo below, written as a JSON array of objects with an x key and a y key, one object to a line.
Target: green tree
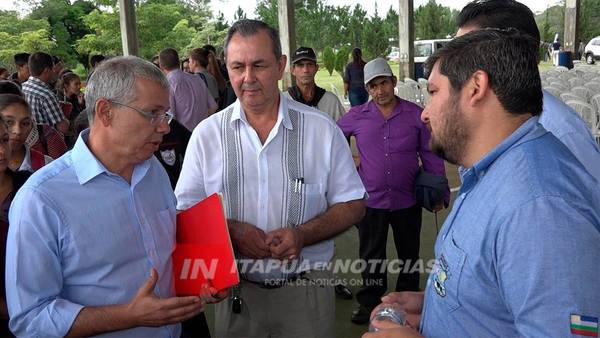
[
  {"x": 341, "y": 59},
  {"x": 434, "y": 21},
  {"x": 66, "y": 26},
  {"x": 329, "y": 59},
  {"x": 239, "y": 14},
  {"x": 266, "y": 10},
  {"x": 22, "y": 35},
  {"x": 160, "y": 24},
  {"x": 355, "y": 26},
  {"x": 551, "y": 22},
  {"x": 590, "y": 16},
  {"x": 390, "y": 24},
  {"x": 374, "y": 37}
]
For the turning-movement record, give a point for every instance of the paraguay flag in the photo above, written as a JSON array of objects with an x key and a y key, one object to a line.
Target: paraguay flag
[{"x": 584, "y": 325}]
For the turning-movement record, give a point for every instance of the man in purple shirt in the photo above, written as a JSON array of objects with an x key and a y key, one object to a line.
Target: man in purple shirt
[
  {"x": 190, "y": 99},
  {"x": 391, "y": 139}
]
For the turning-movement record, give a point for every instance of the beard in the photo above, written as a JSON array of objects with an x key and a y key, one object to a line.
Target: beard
[{"x": 450, "y": 142}]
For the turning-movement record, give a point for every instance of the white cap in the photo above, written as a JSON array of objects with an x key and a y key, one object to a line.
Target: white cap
[{"x": 375, "y": 68}]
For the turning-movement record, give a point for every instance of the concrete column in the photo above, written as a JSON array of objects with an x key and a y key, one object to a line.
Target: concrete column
[
  {"x": 287, "y": 35},
  {"x": 571, "y": 38},
  {"x": 129, "y": 37},
  {"x": 406, "y": 39}
]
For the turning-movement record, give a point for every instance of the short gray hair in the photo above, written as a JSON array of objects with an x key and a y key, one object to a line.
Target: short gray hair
[
  {"x": 114, "y": 80},
  {"x": 248, "y": 27}
]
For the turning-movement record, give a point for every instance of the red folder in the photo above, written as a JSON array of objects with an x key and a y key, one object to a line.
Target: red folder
[{"x": 203, "y": 254}]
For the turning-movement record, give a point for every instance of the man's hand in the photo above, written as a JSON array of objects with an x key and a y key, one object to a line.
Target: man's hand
[
  {"x": 411, "y": 302},
  {"x": 438, "y": 206},
  {"x": 210, "y": 295},
  {"x": 146, "y": 309},
  {"x": 391, "y": 330},
  {"x": 248, "y": 240},
  {"x": 285, "y": 243}
]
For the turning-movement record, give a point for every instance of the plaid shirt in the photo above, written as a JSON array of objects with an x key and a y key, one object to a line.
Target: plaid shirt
[{"x": 42, "y": 101}]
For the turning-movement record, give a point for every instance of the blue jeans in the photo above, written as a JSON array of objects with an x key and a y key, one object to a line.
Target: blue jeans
[{"x": 357, "y": 96}]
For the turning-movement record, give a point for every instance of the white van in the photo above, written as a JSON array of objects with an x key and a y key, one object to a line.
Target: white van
[
  {"x": 423, "y": 50},
  {"x": 592, "y": 50}
]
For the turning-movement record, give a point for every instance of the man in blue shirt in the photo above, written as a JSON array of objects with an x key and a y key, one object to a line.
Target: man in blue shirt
[
  {"x": 557, "y": 117},
  {"x": 517, "y": 254},
  {"x": 91, "y": 235}
]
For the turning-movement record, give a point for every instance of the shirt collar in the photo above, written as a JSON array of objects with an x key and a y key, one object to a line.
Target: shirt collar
[
  {"x": 174, "y": 72},
  {"x": 87, "y": 166},
  {"x": 527, "y": 131},
  {"x": 283, "y": 115},
  {"x": 26, "y": 164},
  {"x": 372, "y": 107},
  {"x": 38, "y": 81}
]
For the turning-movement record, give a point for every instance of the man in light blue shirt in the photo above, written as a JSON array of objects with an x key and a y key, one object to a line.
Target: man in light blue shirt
[
  {"x": 91, "y": 235},
  {"x": 517, "y": 254},
  {"x": 557, "y": 117}
]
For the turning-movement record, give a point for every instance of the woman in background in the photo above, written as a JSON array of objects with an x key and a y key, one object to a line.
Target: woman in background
[
  {"x": 354, "y": 80},
  {"x": 15, "y": 112},
  {"x": 69, "y": 88},
  {"x": 10, "y": 182}
]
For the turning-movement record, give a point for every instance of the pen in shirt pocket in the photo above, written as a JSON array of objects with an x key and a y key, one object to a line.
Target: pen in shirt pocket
[{"x": 298, "y": 183}]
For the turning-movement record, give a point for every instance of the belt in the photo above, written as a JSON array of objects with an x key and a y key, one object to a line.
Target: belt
[{"x": 276, "y": 283}]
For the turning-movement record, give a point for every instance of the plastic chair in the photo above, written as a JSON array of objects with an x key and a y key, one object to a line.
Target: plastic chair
[
  {"x": 595, "y": 102},
  {"x": 409, "y": 80},
  {"x": 560, "y": 86},
  {"x": 583, "y": 92},
  {"x": 343, "y": 100},
  {"x": 594, "y": 87},
  {"x": 585, "y": 110},
  {"x": 589, "y": 76},
  {"x": 568, "y": 96},
  {"x": 424, "y": 96},
  {"x": 553, "y": 91},
  {"x": 576, "y": 82},
  {"x": 568, "y": 75}
]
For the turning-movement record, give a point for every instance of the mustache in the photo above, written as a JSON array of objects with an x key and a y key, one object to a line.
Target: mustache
[{"x": 250, "y": 87}]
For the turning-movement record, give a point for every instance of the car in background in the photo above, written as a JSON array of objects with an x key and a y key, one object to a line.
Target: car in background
[
  {"x": 423, "y": 50},
  {"x": 592, "y": 50},
  {"x": 394, "y": 56}
]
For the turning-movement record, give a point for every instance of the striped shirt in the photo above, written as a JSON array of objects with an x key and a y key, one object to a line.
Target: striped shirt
[
  {"x": 304, "y": 167},
  {"x": 42, "y": 101}
]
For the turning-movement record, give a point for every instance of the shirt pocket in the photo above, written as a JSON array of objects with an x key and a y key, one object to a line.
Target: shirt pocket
[
  {"x": 305, "y": 201},
  {"x": 314, "y": 198},
  {"x": 403, "y": 140},
  {"x": 163, "y": 228},
  {"x": 447, "y": 275}
]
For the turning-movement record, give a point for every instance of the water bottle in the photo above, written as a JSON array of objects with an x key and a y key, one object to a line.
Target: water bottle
[{"x": 391, "y": 312}]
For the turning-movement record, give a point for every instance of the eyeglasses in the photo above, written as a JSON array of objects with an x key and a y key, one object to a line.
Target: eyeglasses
[{"x": 155, "y": 119}]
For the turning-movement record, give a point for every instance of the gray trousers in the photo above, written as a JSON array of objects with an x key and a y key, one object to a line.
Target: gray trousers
[{"x": 303, "y": 308}]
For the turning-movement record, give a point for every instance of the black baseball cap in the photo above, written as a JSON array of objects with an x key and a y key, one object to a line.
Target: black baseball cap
[{"x": 304, "y": 53}]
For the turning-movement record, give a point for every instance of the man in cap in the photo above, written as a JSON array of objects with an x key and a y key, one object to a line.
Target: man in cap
[
  {"x": 391, "y": 139},
  {"x": 304, "y": 68}
]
